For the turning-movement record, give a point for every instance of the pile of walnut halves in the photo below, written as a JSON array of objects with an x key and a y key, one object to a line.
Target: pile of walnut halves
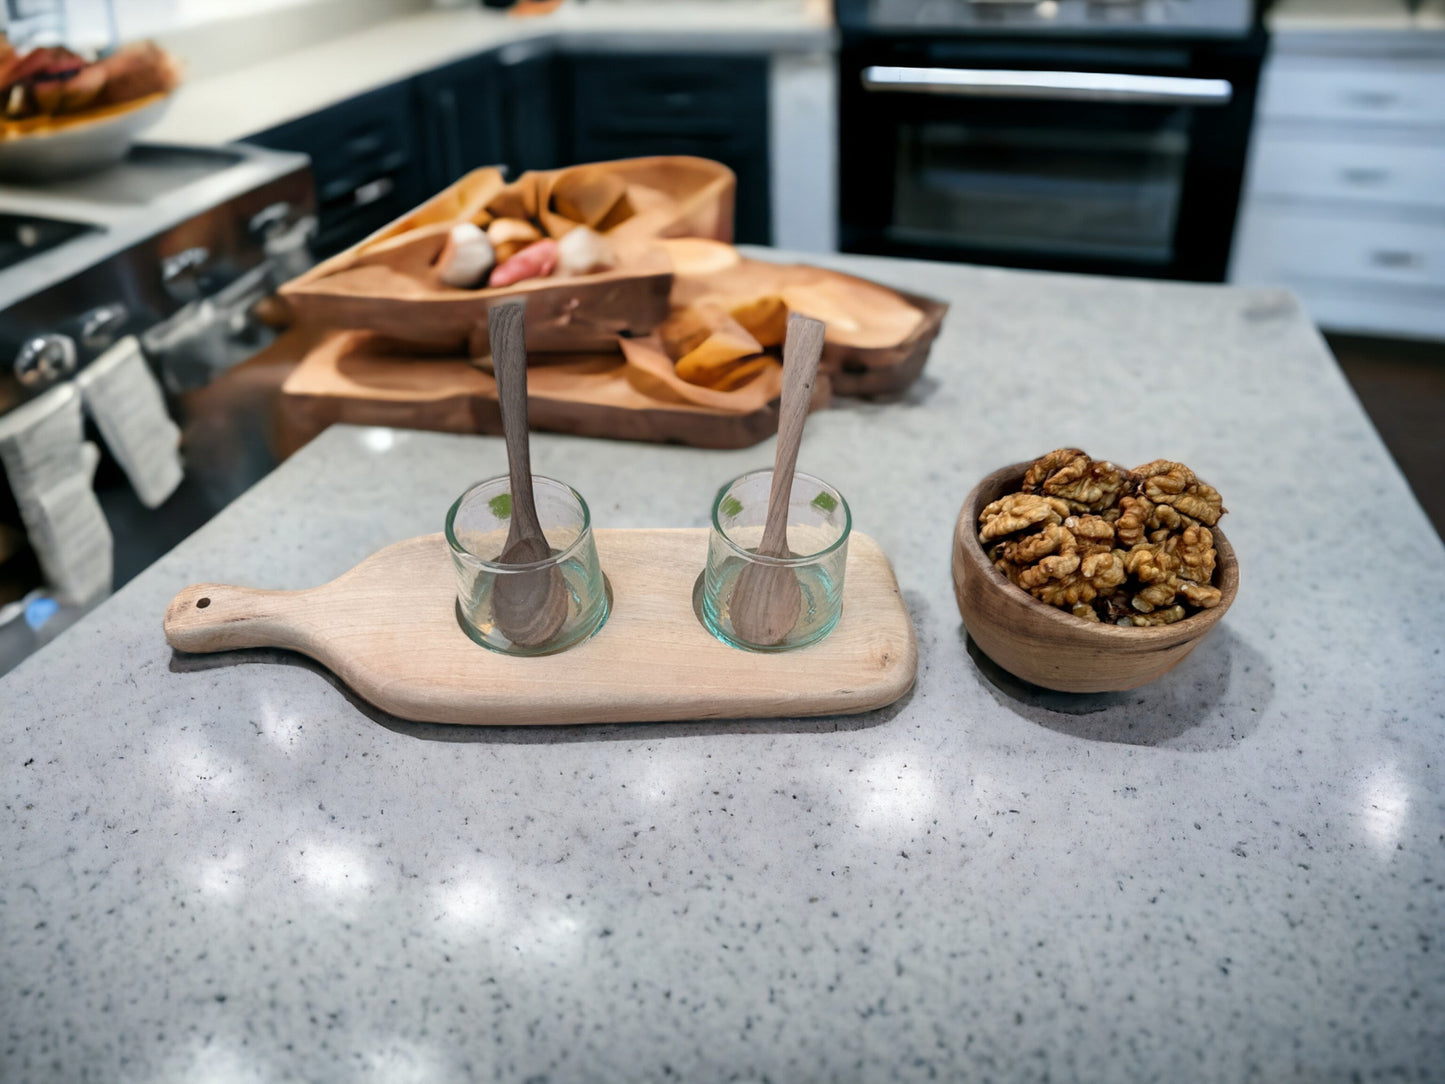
[{"x": 1131, "y": 547}]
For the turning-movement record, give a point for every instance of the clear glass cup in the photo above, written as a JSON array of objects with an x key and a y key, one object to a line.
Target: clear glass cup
[
  {"x": 819, "y": 523},
  {"x": 477, "y": 526}
]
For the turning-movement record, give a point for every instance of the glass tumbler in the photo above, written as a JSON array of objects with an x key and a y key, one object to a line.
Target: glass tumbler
[
  {"x": 819, "y": 523},
  {"x": 477, "y": 527}
]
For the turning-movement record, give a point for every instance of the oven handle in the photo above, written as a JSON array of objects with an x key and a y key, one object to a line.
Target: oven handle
[{"x": 1056, "y": 86}]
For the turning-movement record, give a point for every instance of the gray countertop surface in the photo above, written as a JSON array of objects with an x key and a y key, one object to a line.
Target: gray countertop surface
[{"x": 225, "y": 868}]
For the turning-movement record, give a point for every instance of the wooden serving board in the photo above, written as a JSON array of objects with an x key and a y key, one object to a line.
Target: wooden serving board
[
  {"x": 347, "y": 377},
  {"x": 388, "y": 629}
]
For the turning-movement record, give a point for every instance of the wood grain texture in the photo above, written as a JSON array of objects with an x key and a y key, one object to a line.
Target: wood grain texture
[
  {"x": 530, "y": 607},
  {"x": 353, "y": 378},
  {"x": 878, "y": 338},
  {"x": 766, "y": 598},
  {"x": 388, "y": 629},
  {"x": 1051, "y": 647}
]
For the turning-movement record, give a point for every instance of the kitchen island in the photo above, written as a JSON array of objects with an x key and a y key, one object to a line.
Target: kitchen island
[{"x": 227, "y": 868}]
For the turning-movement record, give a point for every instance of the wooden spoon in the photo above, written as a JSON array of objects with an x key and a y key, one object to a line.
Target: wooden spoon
[
  {"x": 766, "y": 598},
  {"x": 529, "y": 607}
]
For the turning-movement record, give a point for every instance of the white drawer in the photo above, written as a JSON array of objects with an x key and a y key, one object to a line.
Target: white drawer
[
  {"x": 1287, "y": 245},
  {"x": 1337, "y": 308},
  {"x": 1393, "y": 173},
  {"x": 1369, "y": 91}
]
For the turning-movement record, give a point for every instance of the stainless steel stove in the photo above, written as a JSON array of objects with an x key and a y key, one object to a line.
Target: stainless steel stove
[
  {"x": 122, "y": 294},
  {"x": 88, "y": 259}
]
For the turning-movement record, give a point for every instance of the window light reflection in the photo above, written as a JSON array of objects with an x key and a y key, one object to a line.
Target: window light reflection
[
  {"x": 1385, "y": 798},
  {"x": 891, "y": 792},
  {"x": 338, "y": 876}
]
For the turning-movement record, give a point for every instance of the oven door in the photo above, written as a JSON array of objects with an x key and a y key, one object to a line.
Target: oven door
[{"x": 1117, "y": 161}]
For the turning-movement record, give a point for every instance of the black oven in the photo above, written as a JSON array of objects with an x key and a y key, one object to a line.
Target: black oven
[{"x": 1112, "y": 155}]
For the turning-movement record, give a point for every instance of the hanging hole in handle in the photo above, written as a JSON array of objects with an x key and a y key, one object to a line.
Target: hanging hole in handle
[{"x": 202, "y": 603}]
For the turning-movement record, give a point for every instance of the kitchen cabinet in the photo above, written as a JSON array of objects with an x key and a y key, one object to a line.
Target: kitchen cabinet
[
  {"x": 528, "y": 106},
  {"x": 1345, "y": 193},
  {"x": 460, "y": 117},
  {"x": 366, "y": 160},
  {"x": 626, "y": 106},
  {"x": 535, "y": 121}
]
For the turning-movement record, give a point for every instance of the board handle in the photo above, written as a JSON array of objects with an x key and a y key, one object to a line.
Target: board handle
[{"x": 217, "y": 617}]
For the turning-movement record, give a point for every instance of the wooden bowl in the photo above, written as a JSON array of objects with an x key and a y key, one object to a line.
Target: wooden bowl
[{"x": 1051, "y": 647}]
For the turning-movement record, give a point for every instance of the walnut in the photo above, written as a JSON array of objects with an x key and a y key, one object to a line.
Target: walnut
[
  {"x": 1035, "y": 547},
  {"x": 1152, "y": 562},
  {"x": 1195, "y": 548},
  {"x": 1017, "y": 511},
  {"x": 1166, "y": 482},
  {"x": 1180, "y": 565},
  {"x": 1078, "y": 568},
  {"x": 1154, "y": 596},
  {"x": 1196, "y": 553},
  {"x": 1046, "y": 465},
  {"x": 1094, "y": 576},
  {"x": 1159, "y": 617},
  {"x": 1155, "y": 566},
  {"x": 1128, "y": 547},
  {"x": 1132, "y": 526},
  {"x": 1084, "y": 484},
  {"x": 1201, "y": 595},
  {"x": 1094, "y": 532}
]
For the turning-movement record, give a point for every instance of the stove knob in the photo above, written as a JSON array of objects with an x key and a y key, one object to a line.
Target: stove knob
[
  {"x": 181, "y": 273},
  {"x": 269, "y": 221},
  {"x": 45, "y": 359},
  {"x": 99, "y": 327}
]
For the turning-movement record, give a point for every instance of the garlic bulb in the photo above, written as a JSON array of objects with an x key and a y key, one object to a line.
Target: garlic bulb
[
  {"x": 583, "y": 251},
  {"x": 466, "y": 257}
]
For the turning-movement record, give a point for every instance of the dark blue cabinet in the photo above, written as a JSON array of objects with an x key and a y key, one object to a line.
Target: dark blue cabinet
[
  {"x": 366, "y": 161},
  {"x": 631, "y": 105},
  {"x": 460, "y": 113},
  {"x": 378, "y": 155}
]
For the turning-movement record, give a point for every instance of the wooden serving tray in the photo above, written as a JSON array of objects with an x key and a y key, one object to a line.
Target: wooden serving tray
[
  {"x": 388, "y": 629},
  {"x": 386, "y": 282},
  {"x": 351, "y": 378}
]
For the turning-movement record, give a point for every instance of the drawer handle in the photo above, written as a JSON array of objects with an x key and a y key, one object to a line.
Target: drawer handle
[
  {"x": 1364, "y": 176},
  {"x": 1372, "y": 99},
  {"x": 1049, "y": 86},
  {"x": 372, "y": 191},
  {"x": 1397, "y": 260}
]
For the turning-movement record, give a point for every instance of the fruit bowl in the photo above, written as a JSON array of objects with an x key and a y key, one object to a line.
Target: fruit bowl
[{"x": 46, "y": 148}]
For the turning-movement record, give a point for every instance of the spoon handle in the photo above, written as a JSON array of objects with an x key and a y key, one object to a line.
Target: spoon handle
[
  {"x": 509, "y": 362},
  {"x": 801, "y": 350}
]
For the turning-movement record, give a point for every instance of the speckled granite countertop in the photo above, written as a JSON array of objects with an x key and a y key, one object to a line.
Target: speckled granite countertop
[{"x": 222, "y": 868}]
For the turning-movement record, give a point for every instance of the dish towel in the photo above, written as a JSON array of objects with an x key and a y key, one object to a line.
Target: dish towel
[
  {"x": 126, "y": 403},
  {"x": 51, "y": 469}
]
